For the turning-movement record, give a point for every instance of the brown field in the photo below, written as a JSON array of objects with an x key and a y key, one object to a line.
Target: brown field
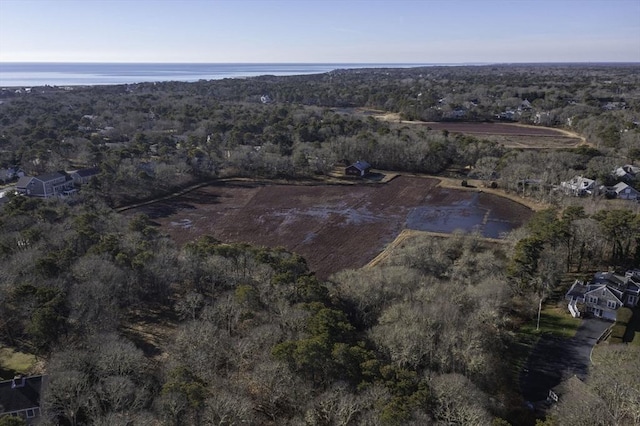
[
  {"x": 333, "y": 226},
  {"x": 511, "y": 135},
  {"x": 535, "y": 142},
  {"x": 509, "y": 129}
]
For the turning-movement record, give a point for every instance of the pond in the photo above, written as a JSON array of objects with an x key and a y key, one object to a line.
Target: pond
[{"x": 486, "y": 214}]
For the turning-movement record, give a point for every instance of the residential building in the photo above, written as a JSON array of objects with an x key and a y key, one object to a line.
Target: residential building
[
  {"x": 20, "y": 397},
  {"x": 625, "y": 192},
  {"x": 525, "y": 105},
  {"x": 46, "y": 185},
  {"x": 506, "y": 115},
  {"x": 578, "y": 186},
  {"x": 626, "y": 173},
  {"x": 83, "y": 176},
  {"x": 604, "y": 294}
]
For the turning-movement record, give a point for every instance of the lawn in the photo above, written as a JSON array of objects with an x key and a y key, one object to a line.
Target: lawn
[
  {"x": 553, "y": 320},
  {"x": 13, "y": 362}
]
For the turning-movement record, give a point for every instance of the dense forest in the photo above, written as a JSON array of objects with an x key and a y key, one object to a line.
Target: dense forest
[{"x": 132, "y": 328}]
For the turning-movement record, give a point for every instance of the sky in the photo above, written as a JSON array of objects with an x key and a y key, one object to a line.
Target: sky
[{"x": 320, "y": 31}]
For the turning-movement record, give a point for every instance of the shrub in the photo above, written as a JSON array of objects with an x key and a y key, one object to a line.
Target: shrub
[{"x": 623, "y": 315}]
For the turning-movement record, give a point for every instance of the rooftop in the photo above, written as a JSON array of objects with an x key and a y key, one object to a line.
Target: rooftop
[{"x": 20, "y": 393}]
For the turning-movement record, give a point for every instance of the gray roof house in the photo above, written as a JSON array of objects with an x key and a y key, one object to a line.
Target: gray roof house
[
  {"x": 604, "y": 294},
  {"x": 625, "y": 192},
  {"x": 359, "y": 168},
  {"x": 83, "y": 176},
  {"x": 20, "y": 397},
  {"x": 46, "y": 185},
  {"x": 627, "y": 172}
]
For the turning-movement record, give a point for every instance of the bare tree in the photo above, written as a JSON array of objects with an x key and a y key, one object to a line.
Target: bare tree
[
  {"x": 616, "y": 379},
  {"x": 338, "y": 406},
  {"x": 458, "y": 401},
  {"x": 409, "y": 333},
  {"x": 69, "y": 397},
  {"x": 226, "y": 407}
]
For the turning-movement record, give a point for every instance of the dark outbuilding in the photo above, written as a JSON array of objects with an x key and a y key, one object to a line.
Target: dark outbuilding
[{"x": 359, "y": 168}]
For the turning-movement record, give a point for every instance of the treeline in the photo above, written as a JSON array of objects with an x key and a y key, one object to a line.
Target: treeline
[{"x": 556, "y": 242}]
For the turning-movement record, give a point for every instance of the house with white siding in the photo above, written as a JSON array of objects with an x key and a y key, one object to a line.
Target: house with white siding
[
  {"x": 578, "y": 186},
  {"x": 604, "y": 294}
]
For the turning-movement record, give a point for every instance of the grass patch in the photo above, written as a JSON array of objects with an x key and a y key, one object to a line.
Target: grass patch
[
  {"x": 13, "y": 362},
  {"x": 618, "y": 331},
  {"x": 553, "y": 320}
]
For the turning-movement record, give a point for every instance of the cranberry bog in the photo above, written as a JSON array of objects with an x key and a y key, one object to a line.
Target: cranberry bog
[
  {"x": 333, "y": 226},
  {"x": 512, "y": 135}
]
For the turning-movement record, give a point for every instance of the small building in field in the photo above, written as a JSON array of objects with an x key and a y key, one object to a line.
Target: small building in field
[
  {"x": 20, "y": 397},
  {"x": 359, "y": 168}
]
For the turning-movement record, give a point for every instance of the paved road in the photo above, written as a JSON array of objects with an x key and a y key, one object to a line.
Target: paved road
[{"x": 554, "y": 359}]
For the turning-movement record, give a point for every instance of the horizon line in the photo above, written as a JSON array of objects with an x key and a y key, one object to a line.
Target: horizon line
[{"x": 321, "y": 63}]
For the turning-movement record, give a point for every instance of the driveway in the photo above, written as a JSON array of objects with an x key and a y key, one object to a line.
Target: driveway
[{"x": 554, "y": 359}]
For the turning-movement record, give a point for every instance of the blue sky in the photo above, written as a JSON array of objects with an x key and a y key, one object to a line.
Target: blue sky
[{"x": 348, "y": 31}]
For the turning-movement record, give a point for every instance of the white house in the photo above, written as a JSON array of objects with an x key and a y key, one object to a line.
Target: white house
[
  {"x": 605, "y": 294},
  {"x": 578, "y": 186}
]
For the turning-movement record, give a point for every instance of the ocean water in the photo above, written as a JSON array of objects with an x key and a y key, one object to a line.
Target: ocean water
[{"x": 18, "y": 74}]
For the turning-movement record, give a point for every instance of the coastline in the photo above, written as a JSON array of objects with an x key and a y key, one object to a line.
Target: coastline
[{"x": 38, "y": 74}]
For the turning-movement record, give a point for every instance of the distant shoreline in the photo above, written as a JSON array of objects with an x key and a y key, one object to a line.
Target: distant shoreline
[
  {"x": 38, "y": 74},
  {"x": 82, "y": 74}
]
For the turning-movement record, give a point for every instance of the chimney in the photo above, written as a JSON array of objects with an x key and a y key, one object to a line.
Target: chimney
[{"x": 18, "y": 381}]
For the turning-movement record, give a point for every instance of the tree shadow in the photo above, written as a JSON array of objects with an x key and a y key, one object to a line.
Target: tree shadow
[
  {"x": 633, "y": 326},
  {"x": 6, "y": 373}
]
